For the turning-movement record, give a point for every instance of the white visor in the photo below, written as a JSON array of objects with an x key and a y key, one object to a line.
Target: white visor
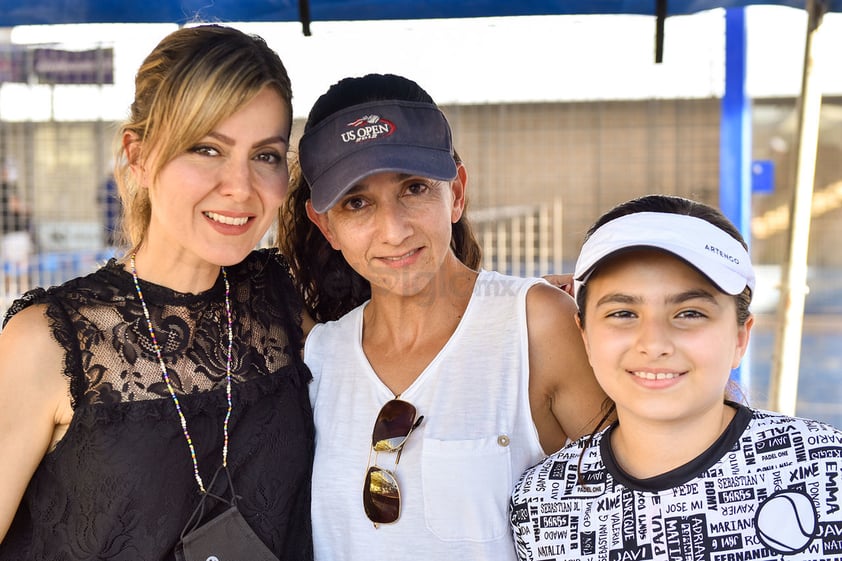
[{"x": 712, "y": 251}]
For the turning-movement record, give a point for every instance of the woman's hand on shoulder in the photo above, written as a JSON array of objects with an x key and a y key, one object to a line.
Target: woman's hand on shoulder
[
  {"x": 565, "y": 397},
  {"x": 34, "y": 403},
  {"x": 562, "y": 281}
]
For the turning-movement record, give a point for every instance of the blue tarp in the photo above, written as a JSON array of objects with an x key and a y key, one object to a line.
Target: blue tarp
[{"x": 33, "y": 12}]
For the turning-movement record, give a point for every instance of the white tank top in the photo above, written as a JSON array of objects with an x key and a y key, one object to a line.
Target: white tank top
[{"x": 458, "y": 468}]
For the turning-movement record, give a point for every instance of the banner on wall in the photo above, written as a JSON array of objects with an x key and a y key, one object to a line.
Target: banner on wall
[
  {"x": 55, "y": 66},
  {"x": 19, "y": 63}
]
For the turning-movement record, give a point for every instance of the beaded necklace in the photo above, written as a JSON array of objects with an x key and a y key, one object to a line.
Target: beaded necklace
[{"x": 166, "y": 376}]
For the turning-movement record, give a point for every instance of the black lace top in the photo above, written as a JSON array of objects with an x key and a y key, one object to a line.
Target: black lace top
[{"x": 120, "y": 485}]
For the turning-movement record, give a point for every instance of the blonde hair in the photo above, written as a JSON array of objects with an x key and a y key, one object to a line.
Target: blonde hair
[{"x": 191, "y": 81}]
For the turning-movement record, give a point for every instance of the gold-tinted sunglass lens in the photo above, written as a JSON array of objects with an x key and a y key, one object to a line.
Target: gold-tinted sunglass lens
[
  {"x": 381, "y": 496},
  {"x": 393, "y": 425}
]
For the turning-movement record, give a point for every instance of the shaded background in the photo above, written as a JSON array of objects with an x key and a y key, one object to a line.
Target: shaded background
[{"x": 558, "y": 118}]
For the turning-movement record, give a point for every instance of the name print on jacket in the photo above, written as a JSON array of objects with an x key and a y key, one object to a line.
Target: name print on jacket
[{"x": 768, "y": 489}]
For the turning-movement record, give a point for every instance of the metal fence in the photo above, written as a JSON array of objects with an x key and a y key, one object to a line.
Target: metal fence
[
  {"x": 521, "y": 240},
  {"x": 523, "y": 159}
]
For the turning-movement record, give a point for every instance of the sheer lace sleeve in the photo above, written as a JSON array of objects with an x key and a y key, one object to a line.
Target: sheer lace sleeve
[{"x": 62, "y": 331}]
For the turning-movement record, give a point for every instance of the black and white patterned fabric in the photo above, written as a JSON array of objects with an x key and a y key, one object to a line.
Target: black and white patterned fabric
[{"x": 768, "y": 489}]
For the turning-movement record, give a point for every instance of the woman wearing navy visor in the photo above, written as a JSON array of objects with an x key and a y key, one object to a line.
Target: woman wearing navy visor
[{"x": 435, "y": 383}]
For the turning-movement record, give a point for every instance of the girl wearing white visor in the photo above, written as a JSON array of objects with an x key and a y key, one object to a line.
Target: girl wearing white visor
[
  {"x": 492, "y": 363},
  {"x": 663, "y": 286}
]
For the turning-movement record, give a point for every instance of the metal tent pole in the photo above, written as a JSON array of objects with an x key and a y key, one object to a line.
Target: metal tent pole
[{"x": 787, "y": 353}]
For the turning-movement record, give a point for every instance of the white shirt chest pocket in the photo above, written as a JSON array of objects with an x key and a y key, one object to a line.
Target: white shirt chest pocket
[{"x": 466, "y": 487}]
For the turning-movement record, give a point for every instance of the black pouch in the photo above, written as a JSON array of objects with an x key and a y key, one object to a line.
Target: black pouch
[{"x": 227, "y": 537}]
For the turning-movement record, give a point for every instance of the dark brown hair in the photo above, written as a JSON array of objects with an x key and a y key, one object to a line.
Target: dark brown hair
[
  {"x": 667, "y": 204},
  {"x": 328, "y": 285},
  {"x": 670, "y": 204}
]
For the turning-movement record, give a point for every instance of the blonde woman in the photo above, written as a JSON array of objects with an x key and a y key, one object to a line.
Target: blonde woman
[{"x": 160, "y": 403}]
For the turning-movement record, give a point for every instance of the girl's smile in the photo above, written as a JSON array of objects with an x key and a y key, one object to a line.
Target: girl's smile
[{"x": 662, "y": 339}]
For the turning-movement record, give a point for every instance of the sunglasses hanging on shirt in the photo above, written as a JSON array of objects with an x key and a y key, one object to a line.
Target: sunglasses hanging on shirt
[{"x": 381, "y": 493}]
